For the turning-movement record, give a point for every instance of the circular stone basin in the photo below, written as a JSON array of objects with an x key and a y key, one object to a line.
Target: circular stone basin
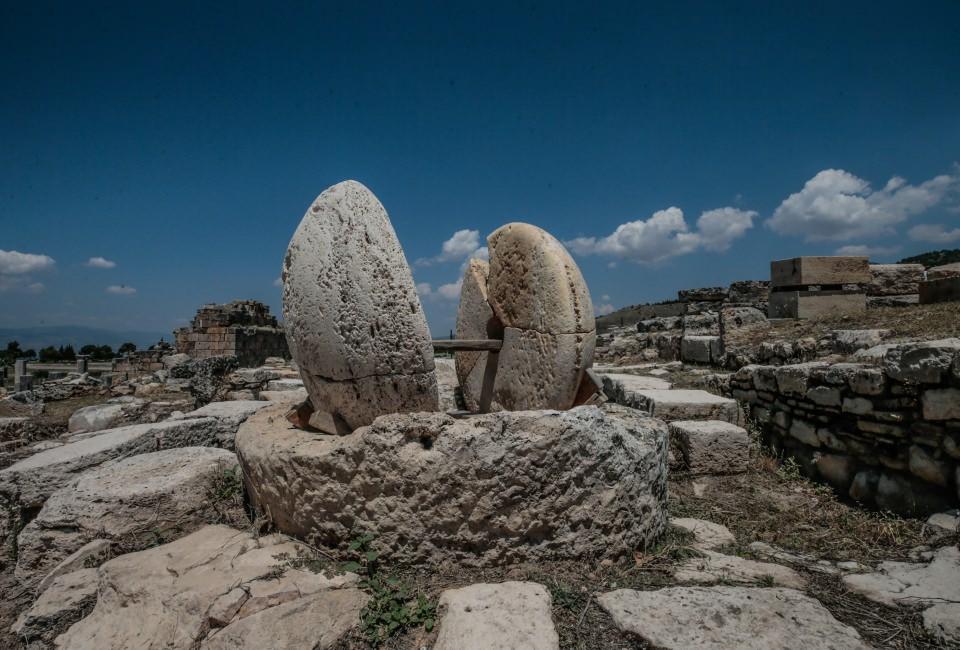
[{"x": 483, "y": 490}]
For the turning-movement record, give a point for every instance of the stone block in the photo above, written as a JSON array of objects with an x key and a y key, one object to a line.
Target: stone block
[
  {"x": 710, "y": 446},
  {"x": 805, "y": 432},
  {"x": 924, "y": 362},
  {"x": 700, "y": 349},
  {"x": 944, "y": 271},
  {"x": 811, "y": 304},
  {"x": 941, "y": 290},
  {"x": 894, "y": 279},
  {"x": 813, "y": 270},
  {"x": 671, "y": 405}
]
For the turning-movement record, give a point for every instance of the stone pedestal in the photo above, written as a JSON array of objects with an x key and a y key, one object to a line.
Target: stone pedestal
[{"x": 811, "y": 304}]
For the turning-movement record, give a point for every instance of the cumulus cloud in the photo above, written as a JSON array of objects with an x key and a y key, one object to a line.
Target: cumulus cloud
[
  {"x": 100, "y": 263},
  {"x": 121, "y": 290},
  {"x": 836, "y": 205},
  {"x": 278, "y": 282},
  {"x": 17, "y": 263},
  {"x": 666, "y": 234},
  {"x": 603, "y": 310},
  {"x": 934, "y": 234},
  {"x": 462, "y": 245},
  {"x": 424, "y": 289},
  {"x": 858, "y": 250},
  {"x": 450, "y": 291}
]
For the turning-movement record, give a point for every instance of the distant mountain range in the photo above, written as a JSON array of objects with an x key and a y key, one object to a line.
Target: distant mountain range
[
  {"x": 934, "y": 258},
  {"x": 77, "y": 336}
]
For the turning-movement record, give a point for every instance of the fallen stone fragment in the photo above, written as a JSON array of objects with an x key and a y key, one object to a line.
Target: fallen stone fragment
[
  {"x": 943, "y": 622},
  {"x": 230, "y": 415},
  {"x": 90, "y": 555},
  {"x": 353, "y": 320},
  {"x": 945, "y": 520},
  {"x": 711, "y": 446},
  {"x": 475, "y": 320},
  {"x": 721, "y": 618},
  {"x": 716, "y": 567},
  {"x": 625, "y": 383},
  {"x": 482, "y": 491},
  {"x": 131, "y": 502},
  {"x": 66, "y": 599},
  {"x": 670, "y": 405},
  {"x": 708, "y": 535},
  {"x": 776, "y": 554},
  {"x": 908, "y": 583},
  {"x": 505, "y": 615},
  {"x": 163, "y": 595}
]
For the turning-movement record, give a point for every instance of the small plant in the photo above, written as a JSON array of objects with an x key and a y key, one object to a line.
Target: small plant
[
  {"x": 789, "y": 469},
  {"x": 565, "y": 597},
  {"x": 766, "y": 581},
  {"x": 226, "y": 484}
]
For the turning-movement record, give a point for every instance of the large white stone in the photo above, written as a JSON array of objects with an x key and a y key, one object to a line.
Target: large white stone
[
  {"x": 474, "y": 318},
  {"x": 708, "y": 535},
  {"x": 670, "y": 405},
  {"x": 715, "y": 567},
  {"x": 722, "y": 618},
  {"x": 96, "y": 417},
  {"x": 484, "y": 490},
  {"x": 24, "y": 486},
  {"x": 58, "y": 606},
  {"x": 352, "y": 316},
  {"x": 497, "y": 616},
  {"x": 632, "y": 383},
  {"x": 172, "y": 596},
  {"x": 711, "y": 446},
  {"x": 230, "y": 415},
  {"x": 132, "y": 502}
]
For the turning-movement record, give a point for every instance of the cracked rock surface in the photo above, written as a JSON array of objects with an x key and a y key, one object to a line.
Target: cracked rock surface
[{"x": 353, "y": 320}]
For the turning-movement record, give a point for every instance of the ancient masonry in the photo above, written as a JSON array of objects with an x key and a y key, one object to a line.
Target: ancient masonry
[
  {"x": 242, "y": 328},
  {"x": 888, "y": 436},
  {"x": 806, "y": 287}
]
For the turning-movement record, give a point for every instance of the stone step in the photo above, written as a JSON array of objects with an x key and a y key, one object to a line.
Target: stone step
[
  {"x": 710, "y": 446},
  {"x": 678, "y": 404}
]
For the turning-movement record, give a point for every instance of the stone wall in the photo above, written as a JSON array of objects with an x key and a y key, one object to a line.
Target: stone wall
[
  {"x": 887, "y": 435},
  {"x": 141, "y": 362},
  {"x": 243, "y": 328}
]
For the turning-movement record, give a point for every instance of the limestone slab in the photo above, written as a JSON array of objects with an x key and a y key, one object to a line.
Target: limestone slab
[
  {"x": 630, "y": 382},
  {"x": 708, "y": 535},
  {"x": 819, "y": 270},
  {"x": 711, "y": 446},
  {"x": 715, "y": 567},
  {"x": 720, "y": 618},
  {"x": 353, "y": 320},
  {"x": 474, "y": 320},
  {"x": 64, "y": 601},
  {"x": 670, "y": 405},
  {"x": 497, "y": 616}
]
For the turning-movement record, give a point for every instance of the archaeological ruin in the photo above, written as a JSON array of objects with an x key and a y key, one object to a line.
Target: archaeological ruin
[{"x": 242, "y": 328}]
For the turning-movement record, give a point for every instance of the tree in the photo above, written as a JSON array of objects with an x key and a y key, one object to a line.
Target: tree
[
  {"x": 67, "y": 353},
  {"x": 127, "y": 347},
  {"x": 49, "y": 353},
  {"x": 12, "y": 353}
]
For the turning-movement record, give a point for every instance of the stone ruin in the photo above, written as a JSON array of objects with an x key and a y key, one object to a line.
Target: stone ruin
[
  {"x": 538, "y": 480},
  {"x": 242, "y": 328}
]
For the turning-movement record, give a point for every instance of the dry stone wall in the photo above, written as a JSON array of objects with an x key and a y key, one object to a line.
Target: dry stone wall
[
  {"x": 243, "y": 328},
  {"x": 886, "y": 434}
]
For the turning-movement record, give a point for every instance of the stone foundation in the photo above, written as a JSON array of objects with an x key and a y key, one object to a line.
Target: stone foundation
[
  {"x": 887, "y": 435},
  {"x": 243, "y": 329},
  {"x": 480, "y": 491}
]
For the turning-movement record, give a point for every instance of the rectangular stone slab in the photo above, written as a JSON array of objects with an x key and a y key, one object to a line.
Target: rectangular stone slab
[
  {"x": 670, "y": 405},
  {"x": 941, "y": 290},
  {"x": 810, "y": 304},
  {"x": 803, "y": 271},
  {"x": 711, "y": 446}
]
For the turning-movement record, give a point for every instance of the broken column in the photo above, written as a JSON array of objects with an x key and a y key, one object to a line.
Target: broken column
[
  {"x": 83, "y": 363},
  {"x": 353, "y": 320},
  {"x": 21, "y": 380},
  {"x": 807, "y": 287}
]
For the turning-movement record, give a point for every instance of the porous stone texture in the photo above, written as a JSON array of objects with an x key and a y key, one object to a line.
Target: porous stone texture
[
  {"x": 848, "y": 341},
  {"x": 229, "y": 415},
  {"x": 720, "y": 618},
  {"x": 447, "y": 384},
  {"x": 883, "y": 433},
  {"x": 624, "y": 383},
  {"x": 670, "y": 405},
  {"x": 95, "y": 418},
  {"x": 819, "y": 270},
  {"x": 486, "y": 490},
  {"x": 503, "y": 615},
  {"x": 713, "y": 567},
  {"x": 894, "y": 279},
  {"x": 944, "y": 271},
  {"x": 709, "y": 535},
  {"x": 701, "y": 349},
  {"x": 26, "y": 485},
  {"x": 131, "y": 502},
  {"x": 475, "y": 319},
  {"x": 710, "y": 446},
  {"x": 352, "y": 316},
  {"x": 539, "y": 298},
  {"x": 177, "y": 592},
  {"x": 66, "y": 599},
  {"x": 90, "y": 555}
]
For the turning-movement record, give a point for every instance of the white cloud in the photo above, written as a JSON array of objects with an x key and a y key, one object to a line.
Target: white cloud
[
  {"x": 121, "y": 290},
  {"x": 461, "y": 245},
  {"x": 16, "y": 263},
  {"x": 604, "y": 309},
  {"x": 934, "y": 233},
  {"x": 836, "y": 205},
  {"x": 100, "y": 263},
  {"x": 424, "y": 289},
  {"x": 858, "y": 250},
  {"x": 278, "y": 282},
  {"x": 666, "y": 234},
  {"x": 20, "y": 283},
  {"x": 450, "y": 291},
  {"x": 605, "y": 296}
]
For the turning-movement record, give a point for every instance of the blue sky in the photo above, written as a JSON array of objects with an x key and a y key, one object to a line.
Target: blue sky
[{"x": 670, "y": 144}]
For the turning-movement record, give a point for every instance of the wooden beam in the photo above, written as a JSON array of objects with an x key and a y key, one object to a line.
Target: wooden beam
[{"x": 465, "y": 345}]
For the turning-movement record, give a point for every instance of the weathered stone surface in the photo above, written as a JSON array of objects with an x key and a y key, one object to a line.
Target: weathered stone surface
[
  {"x": 716, "y": 567},
  {"x": 96, "y": 418},
  {"x": 539, "y": 370},
  {"x": 533, "y": 282},
  {"x": 662, "y": 324},
  {"x": 700, "y": 349},
  {"x": 475, "y": 320},
  {"x": 943, "y": 622},
  {"x": 165, "y": 593},
  {"x": 944, "y": 271},
  {"x": 25, "y": 485},
  {"x": 940, "y": 290},
  {"x": 352, "y": 316},
  {"x": 623, "y": 383},
  {"x": 709, "y": 535},
  {"x": 941, "y": 404},
  {"x": 229, "y": 416},
  {"x": 894, "y": 279},
  {"x": 720, "y": 618},
  {"x": 447, "y": 383},
  {"x": 848, "y": 341},
  {"x": 132, "y": 502},
  {"x": 486, "y": 490},
  {"x": 670, "y": 405},
  {"x": 707, "y": 324},
  {"x": 812, "y": 304},
  {"x": 66, "y": 599},
  {"x": 711, "y": 446},
  {"x": 923, "y": 362},
  {"x": 819, "y": 270},
  {"x": 738, "y": 318},
  {"x": 90, "y": 555},
  {"x": 504, "y": 615},
  {"x": 945, "y": 520}
]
